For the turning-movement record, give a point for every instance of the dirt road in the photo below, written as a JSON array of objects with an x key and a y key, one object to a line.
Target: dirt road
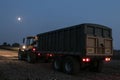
[{"x": 13, "y": 69}]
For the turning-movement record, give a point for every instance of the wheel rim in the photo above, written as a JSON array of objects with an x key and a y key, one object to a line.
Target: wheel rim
[
  {"x": 56, "y": 65},
  {"x": 68, "y": 66},
  {"x": 28, "y": 58},
  {"x": 19, "y": 56}
]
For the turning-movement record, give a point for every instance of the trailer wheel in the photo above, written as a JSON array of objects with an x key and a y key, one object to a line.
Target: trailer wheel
[
  {"x": 71, "y": 65},
  {"x": 57, "y": 64},
  {"x": 31, "y": 58},
  {"x": 96, "y": 66}
]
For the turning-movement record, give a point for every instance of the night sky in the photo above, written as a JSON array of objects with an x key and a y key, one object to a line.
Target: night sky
[{"x": 38, "y": 16}]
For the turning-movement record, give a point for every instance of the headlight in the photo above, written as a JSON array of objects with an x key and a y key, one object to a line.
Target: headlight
[{"x": 23, "y": 46}]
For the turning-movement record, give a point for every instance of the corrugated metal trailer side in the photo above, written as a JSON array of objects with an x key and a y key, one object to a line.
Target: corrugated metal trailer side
[{"x": 66, "y": 41}]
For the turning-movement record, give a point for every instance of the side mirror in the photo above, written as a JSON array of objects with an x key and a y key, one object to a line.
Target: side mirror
[{"x": 23, "y": 40}]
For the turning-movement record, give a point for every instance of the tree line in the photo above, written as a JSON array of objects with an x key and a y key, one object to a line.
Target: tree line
[{"x": 11, "y": 45}]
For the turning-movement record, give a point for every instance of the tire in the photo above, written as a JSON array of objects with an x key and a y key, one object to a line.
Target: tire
[
  {"x": 20, "y": 56},
  {"x": 71, "y": 65},
  {"x": 96, "y": 66},
  {"x": 31, "y": 58},
  {"x": 57, "y": 64}
]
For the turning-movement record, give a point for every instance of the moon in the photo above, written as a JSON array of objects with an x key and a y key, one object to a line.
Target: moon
[{"x": 19, "y": 18}]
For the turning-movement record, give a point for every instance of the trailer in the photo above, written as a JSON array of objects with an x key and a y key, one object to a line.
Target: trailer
[{"x": 76, "y": 47}]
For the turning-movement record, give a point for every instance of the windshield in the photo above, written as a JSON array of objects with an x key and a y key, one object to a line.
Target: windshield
[{"x": 31, "y": 41}]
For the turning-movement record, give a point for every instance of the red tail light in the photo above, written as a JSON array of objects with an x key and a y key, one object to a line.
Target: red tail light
[
  {"x": 39, "y": 54},
  {"x": 107, "y": 59},
  {"x": 83, "y": 60},
  {"x": 49, "y": 55},
  {"x": 86, "y": 59},
  {"x": 33, "y": 49}
]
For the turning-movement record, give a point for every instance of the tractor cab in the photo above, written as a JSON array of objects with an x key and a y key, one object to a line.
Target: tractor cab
[
  {"x": 29, "y": 43},
  {"x": 28, "y": 49}
]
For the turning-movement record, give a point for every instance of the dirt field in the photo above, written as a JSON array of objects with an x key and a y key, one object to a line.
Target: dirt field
[{"x": 13, "y": 69}]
